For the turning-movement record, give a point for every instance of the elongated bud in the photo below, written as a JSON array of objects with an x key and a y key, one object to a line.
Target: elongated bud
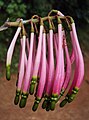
[
  {"x": 10, "y": 53},
  {"x": 45, "y": 69},
  {"x": 38, "y": 58}
]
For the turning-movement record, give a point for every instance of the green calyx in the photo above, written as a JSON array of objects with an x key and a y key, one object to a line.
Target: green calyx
[
  {"x": 8, "y": 73},
  {"x": 63, "y": 103},
  {"x": 16, "y": 100},
  {"x": 54, "y": 97},
  {"x": 75, "y": 90},
  {"x": 53, "y": 100},
  {"x": 73, "y": 94},
  {"x": 48, "y": 107},
  {"x": 23, "y": 100},
  {"x": 32, "y": 85},
  {"x": 52, "y": 105},
  {"x": 31, "y": 90},
  {"x": 69, "y": 97},
  {"x": 36, "y": 103},
  {"x": 45, "y": 102}
]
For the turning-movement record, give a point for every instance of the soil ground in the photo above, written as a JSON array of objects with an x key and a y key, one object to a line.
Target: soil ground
[{"x": 77, "y": 110}]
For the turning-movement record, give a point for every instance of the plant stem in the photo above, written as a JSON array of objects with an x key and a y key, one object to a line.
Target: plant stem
[{"x": 16, "y": 24}]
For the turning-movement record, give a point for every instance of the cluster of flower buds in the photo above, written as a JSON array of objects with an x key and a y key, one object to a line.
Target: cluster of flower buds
[{"x": 46, "y": 62}]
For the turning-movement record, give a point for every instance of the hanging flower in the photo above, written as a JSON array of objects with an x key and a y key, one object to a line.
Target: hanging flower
[{"x": 45, "y": 61}]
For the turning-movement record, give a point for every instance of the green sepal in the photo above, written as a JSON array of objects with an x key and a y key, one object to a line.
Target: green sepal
[
  {"x": 75, "y": 90},
  {"x": 53, "y": 100},
  {"x": 63, "y": 103},
  {"x": 31, "y": 90},
  {"x": 52, "y": 105},
  {"x": 71, "y": 98},
  {"x": 45, "y": 102},
  {"x": 73, "y": 95},
  {"x": 8, "y": 73},
  {"x": 32, "y": 85},
  {"x": 54, "y": 97},
  {"x": 23, "y": 100},
  {"x": 36, "y": 104},
  {"x": 16, "y": 100},
  {"x": 48, "y": 106}
]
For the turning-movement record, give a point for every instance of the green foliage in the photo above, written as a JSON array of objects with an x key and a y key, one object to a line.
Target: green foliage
[
  {"x": 13, "y": 8},
  {"x": 1, "y": 3},
  {"x": 16, "y": 9}
]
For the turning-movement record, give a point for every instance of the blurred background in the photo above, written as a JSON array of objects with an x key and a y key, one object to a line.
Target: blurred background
[{"x": 13, "y": 9}]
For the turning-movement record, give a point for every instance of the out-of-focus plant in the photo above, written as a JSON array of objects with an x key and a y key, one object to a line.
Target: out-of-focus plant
[
  {"x": 79, "y": 9},
  {"x": 40, "y": 7},
  {"x": 12, "y": 9}
]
